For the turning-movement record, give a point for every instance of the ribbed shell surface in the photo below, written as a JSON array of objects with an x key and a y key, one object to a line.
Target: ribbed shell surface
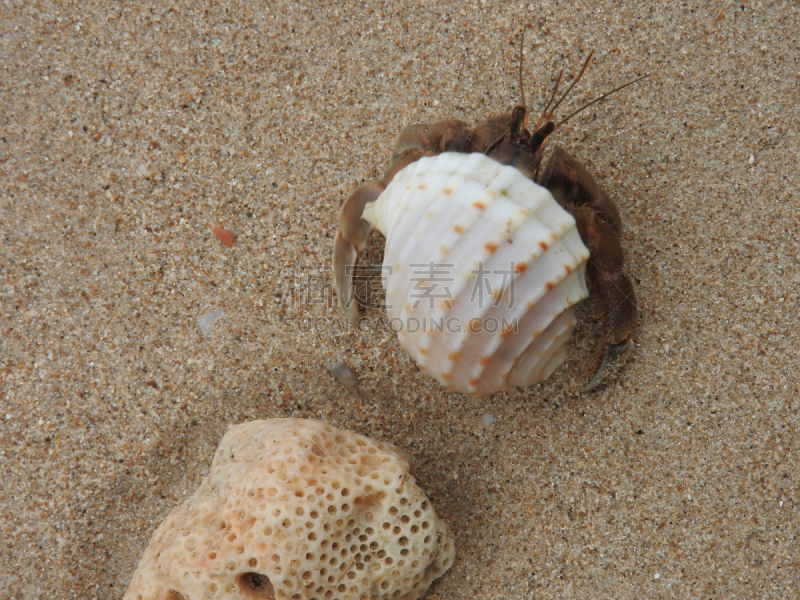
[{"x": 482, "y": 268}]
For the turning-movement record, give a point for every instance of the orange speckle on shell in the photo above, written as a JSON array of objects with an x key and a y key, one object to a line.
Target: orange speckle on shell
[
  {"x": 446, "y": 376},
  {"x": 224, "y": 236},
  {"x": 422, "y": 186},
  {"x": 452, "y": 355},
  {"x": 544, "y": 246},
  {"x": 507, "y": 331},
  {"x": 568, "y": 268},
  {"x": 458, "y": 229},
  {"x": 485, "y": 360},
  {"x": 479, "y": 205},
  {"x": 474, "y": 381},
  {"x": 474, "y": 325},
  {"x": 491, "y": 247},
  {"x": 548, "y": 286},
  {"x": 447, "y": 191},
  {"x": 521, "y": 268},
  {"x": 423, "y": 351}
]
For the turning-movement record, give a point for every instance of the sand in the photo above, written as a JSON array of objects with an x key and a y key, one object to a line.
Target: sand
[{"x": 129, "y": 130}]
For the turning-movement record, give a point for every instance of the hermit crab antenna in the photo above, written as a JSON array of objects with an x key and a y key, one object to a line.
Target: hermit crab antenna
[
  {"x": 550, "y": 101},
  {"x": 574, "y": 82},
  {"x": 521, "y": 86},
  {"x": 599, "y": 98}
]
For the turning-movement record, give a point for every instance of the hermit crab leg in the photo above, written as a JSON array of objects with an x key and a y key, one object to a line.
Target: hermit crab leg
[
  {"x": 609, "y": 283},
  {"x": 350, "y": 239}
]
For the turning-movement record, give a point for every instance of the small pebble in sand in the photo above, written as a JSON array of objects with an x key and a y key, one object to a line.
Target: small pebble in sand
[
  {"x": 223, "y": 235},
  {"x": 208, "y": 320},
  {"x": 343, "y": 374},
  {"x": 488, "y": 420}
]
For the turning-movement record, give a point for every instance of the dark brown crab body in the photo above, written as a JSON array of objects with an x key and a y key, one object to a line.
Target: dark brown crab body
[{"x": 506, "y": 140}]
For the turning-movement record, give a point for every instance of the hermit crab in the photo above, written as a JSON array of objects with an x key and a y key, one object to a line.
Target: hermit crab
[{"x": 488, "y": 248}]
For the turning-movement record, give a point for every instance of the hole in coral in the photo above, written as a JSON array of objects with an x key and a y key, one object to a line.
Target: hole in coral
[
  {"x": 175, "y": 595},
  {"x": 255, "y": 585}
]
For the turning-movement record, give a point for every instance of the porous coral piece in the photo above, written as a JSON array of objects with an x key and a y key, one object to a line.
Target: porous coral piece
[{"x": 298, "y": 509}]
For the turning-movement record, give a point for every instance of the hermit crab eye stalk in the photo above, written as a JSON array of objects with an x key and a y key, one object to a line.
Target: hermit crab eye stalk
[
  {"x": 540, "y": 135},
  {"x": 519, "y": 118}
]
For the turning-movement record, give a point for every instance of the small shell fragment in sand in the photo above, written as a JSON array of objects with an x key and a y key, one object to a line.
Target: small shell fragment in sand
[
  {"x": 207, "y": 320},
  {"x": 343, "y": 374}
]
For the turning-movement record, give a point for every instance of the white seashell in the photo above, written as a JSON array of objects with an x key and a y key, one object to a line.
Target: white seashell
[{"x": 482, "y": 268}]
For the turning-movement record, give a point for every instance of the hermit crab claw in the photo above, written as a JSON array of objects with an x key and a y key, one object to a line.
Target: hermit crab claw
[{"x": 351, "y": 238}]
